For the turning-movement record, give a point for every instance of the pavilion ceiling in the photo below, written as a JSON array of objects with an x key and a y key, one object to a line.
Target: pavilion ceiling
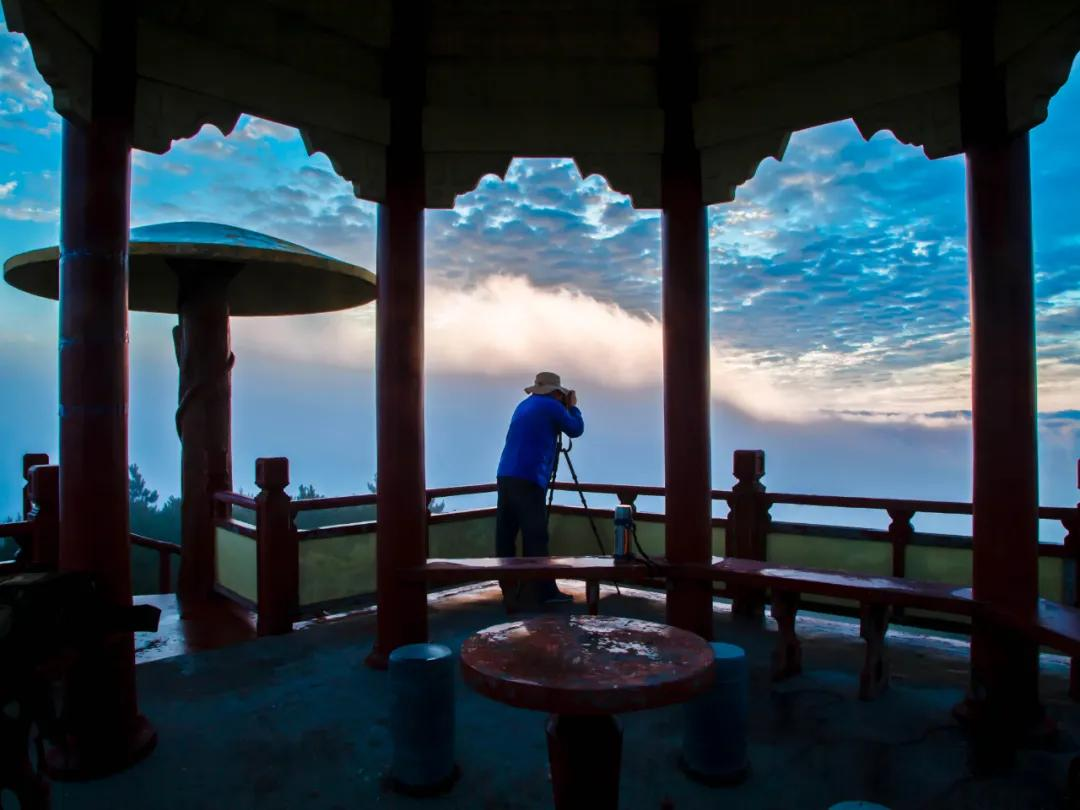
[{"x": 550, "y": 78}]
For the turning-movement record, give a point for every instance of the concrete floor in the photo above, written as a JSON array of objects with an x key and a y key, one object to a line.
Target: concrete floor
[{"x": 298, "y": 721}]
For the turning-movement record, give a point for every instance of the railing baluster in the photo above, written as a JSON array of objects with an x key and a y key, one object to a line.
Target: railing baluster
[
  {"x": 29, "y": 461},
  {"x": 748, "y": 526},
  {"x": 278, "y": 575},
  {"x": 45, "y": 513},
  {"x": 900, "y": 533}
]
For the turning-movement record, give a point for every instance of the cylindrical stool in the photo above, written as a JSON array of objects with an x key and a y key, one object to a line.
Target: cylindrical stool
[
  {"x": 422, "y": 719},
  {"x": 714, "y": 740},
  {"x": 858, "y": 805}
]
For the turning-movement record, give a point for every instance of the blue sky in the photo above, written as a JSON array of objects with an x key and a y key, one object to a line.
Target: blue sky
[{"x": 839, "y": 298}]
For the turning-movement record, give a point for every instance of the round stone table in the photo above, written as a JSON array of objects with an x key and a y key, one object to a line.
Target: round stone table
[{"x": 583, "y": 670}]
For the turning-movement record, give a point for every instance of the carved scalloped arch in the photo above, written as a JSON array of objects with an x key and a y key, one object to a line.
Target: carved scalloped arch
[
  {"x": 448, "y": 175},
  {"x": 164, "y": 113},
  {"x": 360, "y": 162},
  {"x": 451, "y": 174},
  {"x": 66, "y": 64},
  {"x": 1035, "y": 74},
  {"x": 726, "y": 166},
  {"x": 930, "y": 120}
]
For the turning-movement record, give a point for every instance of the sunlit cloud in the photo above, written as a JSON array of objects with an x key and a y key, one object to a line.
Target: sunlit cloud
[{"x": 508, "y": 327}]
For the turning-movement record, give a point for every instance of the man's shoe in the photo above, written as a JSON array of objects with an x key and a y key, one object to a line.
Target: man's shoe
[{"x": 558, "y": 598}]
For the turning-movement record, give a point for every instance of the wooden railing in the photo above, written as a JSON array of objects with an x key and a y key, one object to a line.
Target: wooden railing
[
  {"x": 748, "y": 525},
  {"x": 17, "y": 529},
  {"x": 165, "y": 551},
  {"x": 234, "y": 499}
]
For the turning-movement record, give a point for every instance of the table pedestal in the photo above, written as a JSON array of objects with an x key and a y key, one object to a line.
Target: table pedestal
[{"x": 585, "y": 752}]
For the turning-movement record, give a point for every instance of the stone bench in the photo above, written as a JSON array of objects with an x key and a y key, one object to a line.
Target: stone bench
[
  {"x": 878, "y": 597},
  {"x": 592, "y": 570}
]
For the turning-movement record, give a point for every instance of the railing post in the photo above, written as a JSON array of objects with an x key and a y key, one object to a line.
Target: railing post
[
  {"x": 220, "y": 480},
  {"x": 748, "y": 526},
  {"x": 45, "y": 513},
  {"x": 278, "y": 575},
  {"x": 900, "y": 534},
  {"x": 29, "y": 461},
  {"x": 1072, "y": 547}
]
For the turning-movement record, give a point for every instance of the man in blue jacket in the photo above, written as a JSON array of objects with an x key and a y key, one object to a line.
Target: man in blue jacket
[{"x": 525, "y": 470}]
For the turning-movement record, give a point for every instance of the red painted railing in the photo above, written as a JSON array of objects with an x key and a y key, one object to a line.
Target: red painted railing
[
  {"x": 234, "y": 499},
  {"x": 165, "y": 551},
  {"x": 17, "y": 529},
  {"x": 747, "y": 524}
]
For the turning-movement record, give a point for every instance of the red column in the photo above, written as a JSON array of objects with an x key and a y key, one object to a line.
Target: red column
[
  {"x": 1005, "y": 482},
  {"x": 399, "y": 352},
  {"x": 1004, "y": 678},
  {"x": 688, "y": 537},
  {"x": 105, "y": 731}
]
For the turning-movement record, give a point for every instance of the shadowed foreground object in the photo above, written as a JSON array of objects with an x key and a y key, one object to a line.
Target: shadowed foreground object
[
  {"x": 422, "y": 718},
  {"x": 205, "y": 272},
  {"x": 714, "y": 741}
]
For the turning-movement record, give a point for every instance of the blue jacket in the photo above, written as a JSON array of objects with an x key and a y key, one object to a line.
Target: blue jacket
[{"x": 529, "y": 451}]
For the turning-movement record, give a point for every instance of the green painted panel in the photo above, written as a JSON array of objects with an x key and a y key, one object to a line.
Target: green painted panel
[
  {"x": 804, "y": 551},
  {"x": 462, "y": 538},
  {"x": 811, "y": 551},
  {"x": 937, "y": 564},
  {"x": 570, "y": 536},
  {"x": 336, "y": 567},
  {"x": 719, "y": 541},
  {"x": 236, "y": 563},
  {"x": 1052, "y": 578}
]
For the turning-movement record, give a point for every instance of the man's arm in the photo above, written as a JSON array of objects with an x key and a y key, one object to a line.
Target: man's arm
[{"x": 569, "y": 421}]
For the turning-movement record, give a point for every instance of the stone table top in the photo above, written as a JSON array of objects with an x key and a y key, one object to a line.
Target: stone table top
[{"x": 587, "y": 664}]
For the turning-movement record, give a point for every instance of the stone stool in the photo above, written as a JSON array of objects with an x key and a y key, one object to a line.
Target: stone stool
[
  {"x": 714, "y": 740},
  {"x": 422, "y": 719}
]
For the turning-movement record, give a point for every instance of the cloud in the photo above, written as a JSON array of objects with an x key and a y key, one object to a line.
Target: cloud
[
  {"x": 7, "y": 188},
  {"x": 25, "y": 99},
  {"x": 207, "y": 143},
  {"x": 29, "y": 213},
  {"x": 21, "y": 87},
  {"x": 546, "y": 221},
  {"x": 589, "y": 341},
  {"x": 254, "y": 129}
]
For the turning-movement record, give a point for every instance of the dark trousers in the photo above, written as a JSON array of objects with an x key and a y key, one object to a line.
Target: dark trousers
[{"x": 521, "y": 507}]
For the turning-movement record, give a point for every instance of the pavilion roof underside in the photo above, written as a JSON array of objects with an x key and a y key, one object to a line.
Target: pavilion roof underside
[{"x": 543, "y": 78}]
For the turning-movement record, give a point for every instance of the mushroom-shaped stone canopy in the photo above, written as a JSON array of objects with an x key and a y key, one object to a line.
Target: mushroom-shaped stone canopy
[{"x": 271, "y": 276}]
